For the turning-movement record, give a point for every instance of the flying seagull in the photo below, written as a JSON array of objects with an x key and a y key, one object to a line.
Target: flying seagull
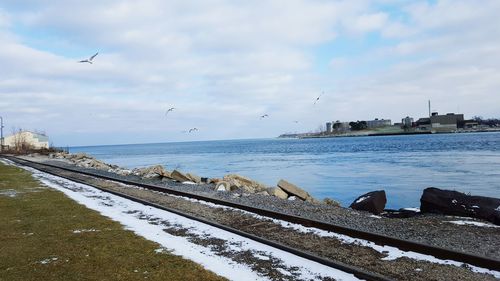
[
  {"x": 264, "y": 116},
  {"x": 193, "y": 129},
  {"x": 170, "y": 109},
  {"x": 295, "y": 121},
  {"x": 89, "y": 60},
  {"x": 317, "y": 99}
]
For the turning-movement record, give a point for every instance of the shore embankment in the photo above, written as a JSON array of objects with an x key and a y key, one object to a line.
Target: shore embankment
[
  {"x": 461, "y": 233},
  {"x": 393, "y": 223}
]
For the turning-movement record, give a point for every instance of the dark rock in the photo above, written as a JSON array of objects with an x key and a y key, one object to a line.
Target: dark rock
[
  {"x": 373, "y": 202},
  {"x": 449, "y": 202}
]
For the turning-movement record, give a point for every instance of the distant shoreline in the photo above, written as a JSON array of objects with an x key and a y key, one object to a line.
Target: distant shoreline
[{"x": 375, "y": 134}]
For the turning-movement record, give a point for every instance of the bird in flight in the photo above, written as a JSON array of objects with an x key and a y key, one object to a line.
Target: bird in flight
[
  {"x": 317, "y": 99},
  {"x": 169, "y": 110},
  {"x": 89, "y": 60},
  {"x": 193, "y": 130},
  {"x": 295, "y": 121},
  {"x": 264, "y": 116}
]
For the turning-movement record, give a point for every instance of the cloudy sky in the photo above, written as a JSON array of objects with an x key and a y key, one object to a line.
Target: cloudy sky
[{"x": 222, "y": 64}]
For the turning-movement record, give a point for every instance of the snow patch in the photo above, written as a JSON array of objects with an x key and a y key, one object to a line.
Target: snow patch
[
  {"x": 283, "y": 271},
  {"x": 9, "y": 193},
  {"x": 362, "y": 199},
  {"x": 47, "y": 261},
  {"x": 188, "y": 182},
  {"x": 85, "y": 230},
  {"x": 261, "y": 257},
  {"x": 475, "y": 223},
  {"x": 417, "y": 210}
]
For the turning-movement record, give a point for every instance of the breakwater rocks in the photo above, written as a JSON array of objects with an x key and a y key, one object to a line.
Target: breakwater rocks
[
  {"x": 434, "y": 201},
  {"x": 238, "y": 184},
  {"x": 449, "y": 202},
  {"x": 373, "y": 202}
]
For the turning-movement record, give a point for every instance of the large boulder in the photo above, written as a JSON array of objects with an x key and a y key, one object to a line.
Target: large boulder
[
  {"x": 448, "y": 202},
  {"x": 373, "y": 202},
  {"x": 151, "y": 172},
  {"x": 293, "y": 190},
  {"x": 179, "y": 176},
  {"x": 280, "y": 193},
  {"x": 223, "y": 186},
  {"x": 194, "y": 178},
  {"x": 241, "y": 182}
]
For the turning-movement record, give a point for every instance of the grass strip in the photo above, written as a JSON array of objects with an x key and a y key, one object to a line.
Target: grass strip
[{"x": 46, "y": 236}]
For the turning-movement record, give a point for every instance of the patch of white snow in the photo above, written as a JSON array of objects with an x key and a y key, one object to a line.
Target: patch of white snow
[
  {"x": 362, "y": 199},
  {"x": 475, "y": 223},
  {"x": 412, "y": 209},
  {"x": 188, "y": 182}
]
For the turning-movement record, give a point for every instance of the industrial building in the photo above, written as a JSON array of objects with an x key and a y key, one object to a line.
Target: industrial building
[
  {"x": 26, "y": 138},
  {"x": 341, "y": 127},
  {"x": 329, "y": 127},
  {"x": 407, "y": 122},
  {"x": 448, "y": 122},
  {"x": 378, "y": 123}
]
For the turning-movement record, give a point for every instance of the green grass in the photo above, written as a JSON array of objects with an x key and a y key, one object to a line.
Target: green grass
[{"x": 37, "y": 224}]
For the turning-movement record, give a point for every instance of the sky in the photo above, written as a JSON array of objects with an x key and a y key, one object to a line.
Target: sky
[{"x": 223, "y": 64}]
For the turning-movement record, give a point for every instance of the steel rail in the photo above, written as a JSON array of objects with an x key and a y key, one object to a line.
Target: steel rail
[{"x": 405, "y": 245}]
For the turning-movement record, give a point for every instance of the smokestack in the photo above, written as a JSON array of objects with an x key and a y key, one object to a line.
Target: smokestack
[{"x": 429, "y": 108}]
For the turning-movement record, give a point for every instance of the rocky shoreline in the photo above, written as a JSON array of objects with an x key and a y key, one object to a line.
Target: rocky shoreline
[
  {"x": 230, "y": 183},
  {"x": 433, "y": 200}
]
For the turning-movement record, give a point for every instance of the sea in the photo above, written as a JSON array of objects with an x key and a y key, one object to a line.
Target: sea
[{"x": 341, "y": 168}]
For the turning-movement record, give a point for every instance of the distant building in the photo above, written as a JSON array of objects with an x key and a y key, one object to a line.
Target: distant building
[
  {"x": 338, "y": 126},
  {"x": 469, "y": 124},
  {"x": 448, "y": 122},
  {"x": 423, "y": 124},
  {"x": 407, "y": 122},
  {"x": 27, "y": 138},
  {"x": 329, "y": 127},
  {"x": 377, "y": 123}
]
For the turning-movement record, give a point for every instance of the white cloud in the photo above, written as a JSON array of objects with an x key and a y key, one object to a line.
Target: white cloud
[{"x": 224, "y": 63}]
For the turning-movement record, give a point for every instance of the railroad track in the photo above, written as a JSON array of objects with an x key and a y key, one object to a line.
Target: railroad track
[{"x": 438, "y": 252}]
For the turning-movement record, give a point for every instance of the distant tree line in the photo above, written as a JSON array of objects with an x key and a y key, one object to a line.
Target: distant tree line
[
  {"x": 491, "y": 122},
  {"x": 358, "y": 125}
]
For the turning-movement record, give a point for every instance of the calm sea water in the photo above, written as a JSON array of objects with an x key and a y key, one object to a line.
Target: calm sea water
[{"x": 340, "y": 168}]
